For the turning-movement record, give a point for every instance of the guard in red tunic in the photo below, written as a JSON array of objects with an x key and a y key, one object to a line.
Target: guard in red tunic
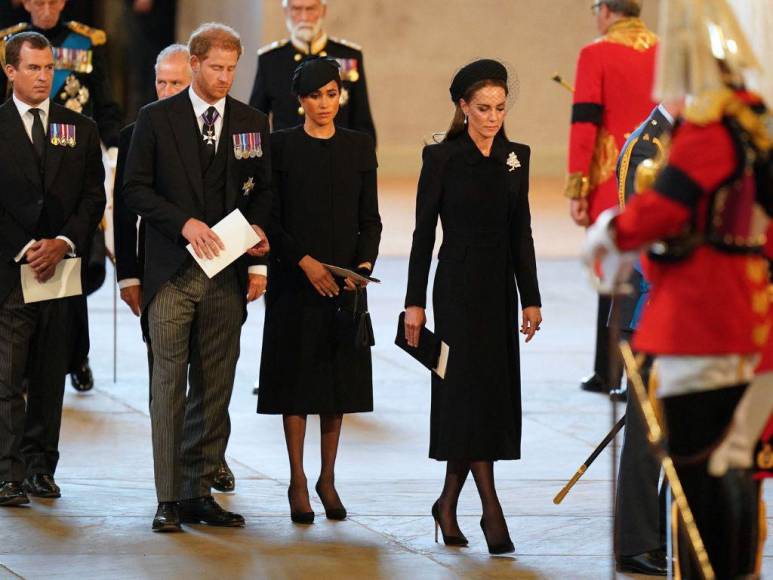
[
  {"x": 708, "y": 318},
  {"x": 613, "y": 95}
]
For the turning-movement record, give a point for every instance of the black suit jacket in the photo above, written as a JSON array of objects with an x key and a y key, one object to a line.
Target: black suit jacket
[
  {"x": 71, "y": 187},
  {"x": 164, "y": 183},
  {"x": 129, "y": 252}
]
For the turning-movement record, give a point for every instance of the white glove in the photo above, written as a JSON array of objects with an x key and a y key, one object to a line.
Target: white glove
[
  {"x": 616, "y": 266},
  {"x": 749, "y": 419}
]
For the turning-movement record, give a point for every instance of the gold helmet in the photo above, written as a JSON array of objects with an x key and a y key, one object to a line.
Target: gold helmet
[{"x": 703, "y": 49}]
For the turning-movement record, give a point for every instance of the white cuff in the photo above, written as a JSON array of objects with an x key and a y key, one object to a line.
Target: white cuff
[
  {"x": 129, "y": 282},
  {"x": 20, "y": 255},
  {"x": 112, "y": 157},
  {"x": 258, "y": 270},
  {"x": 71, "y": 253}
]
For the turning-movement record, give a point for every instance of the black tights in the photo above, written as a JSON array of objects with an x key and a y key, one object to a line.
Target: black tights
[{"x": 483, "y": 474}]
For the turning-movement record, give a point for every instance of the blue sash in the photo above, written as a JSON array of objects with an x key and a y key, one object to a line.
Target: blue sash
[{"x": 76, "y": 41}]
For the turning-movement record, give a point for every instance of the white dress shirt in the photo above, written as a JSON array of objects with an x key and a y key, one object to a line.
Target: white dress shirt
[
  {"x": 200, "y": 107},
  {"x": 27, "y": 118}
]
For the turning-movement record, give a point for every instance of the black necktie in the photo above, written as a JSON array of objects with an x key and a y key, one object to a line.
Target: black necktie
[
  {"x": 208, "y": 132},
  {"x": 38, "y": 134}
]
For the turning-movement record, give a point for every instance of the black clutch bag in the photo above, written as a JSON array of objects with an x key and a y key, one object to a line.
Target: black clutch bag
[
  {"x": 428, "y": 353},
  {"x": 356, "y": 322}
]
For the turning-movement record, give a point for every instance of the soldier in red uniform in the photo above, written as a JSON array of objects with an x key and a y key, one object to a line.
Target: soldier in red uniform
[
  {"x": 707, "y": 319},
  {"x": 612, "y": 97}
]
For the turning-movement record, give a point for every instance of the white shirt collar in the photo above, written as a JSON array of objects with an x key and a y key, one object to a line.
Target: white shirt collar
[
  {"x": 24, "y": 107},
  {"x": 200, "y": 106}
]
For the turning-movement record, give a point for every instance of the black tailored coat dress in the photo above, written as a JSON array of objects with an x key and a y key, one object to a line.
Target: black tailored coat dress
[
  {"x": 325, "y": 206},
  {"x": 485, "y": 260}
]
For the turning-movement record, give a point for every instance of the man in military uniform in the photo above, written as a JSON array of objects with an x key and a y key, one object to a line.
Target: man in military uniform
[
  {"x": 82, "y": 84},
  {"x": 277, "y": 61},
  {"x": 707, "y": 318},
  {"x": 639, "y": 517},
  {"x": 612, "y": 97}
]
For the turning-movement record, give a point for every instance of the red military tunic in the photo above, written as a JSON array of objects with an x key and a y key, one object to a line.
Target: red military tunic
[
  {"x": 613, "y": 95},
  {"x": 712, "y": 302}
]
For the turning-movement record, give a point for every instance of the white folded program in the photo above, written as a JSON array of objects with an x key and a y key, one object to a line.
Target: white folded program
[{"x": 599, "y": 249}]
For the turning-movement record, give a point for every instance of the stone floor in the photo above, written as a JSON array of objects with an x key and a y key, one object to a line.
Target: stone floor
[{"x": 100, "y": 528}]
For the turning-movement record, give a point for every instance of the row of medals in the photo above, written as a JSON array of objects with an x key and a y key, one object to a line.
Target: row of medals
[
  {"x": 57, "y": 141},
  {"x": 247, "y": 154}
]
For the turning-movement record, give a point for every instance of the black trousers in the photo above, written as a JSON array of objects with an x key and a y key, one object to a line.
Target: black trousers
[
  {"x": 725, "y": 508},
  {"x": 36, "y": 345},
  {"x": 612, "y": 375},
  {"x": 640, "y": 508}
]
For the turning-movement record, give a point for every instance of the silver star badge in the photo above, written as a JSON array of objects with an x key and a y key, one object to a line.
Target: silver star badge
[
  {"x": 248, "y": 186},
  {"x": 513, "y": 162},
  {"x": 209, "y": 138}
]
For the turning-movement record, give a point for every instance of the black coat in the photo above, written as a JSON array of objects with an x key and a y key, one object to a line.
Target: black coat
[
  {"x": 487, "y": 249},
  {"x": 96, "y": 99},
  {"x": 71, "y": 189},
  {"x": 129, "y": 241},
  {"x": 271, "y": 91},
  {"x": 326, "y": 206},
  {"x": 164, "y": 184}
]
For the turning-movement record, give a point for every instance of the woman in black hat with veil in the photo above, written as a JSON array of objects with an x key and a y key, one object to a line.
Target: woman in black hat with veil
[
  {"x": 477, "y": 182},
  {"x": 326, "y": 212}
]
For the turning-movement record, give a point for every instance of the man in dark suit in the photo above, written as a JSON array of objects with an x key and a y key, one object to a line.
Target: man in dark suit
[
  {"x": 639, "y": 512},
  {"x": 50, "y": 205},
  {"x": 193, "y": 159},
  {"x": 173, "y": 75},
  {"x": 276, "y": 62}
]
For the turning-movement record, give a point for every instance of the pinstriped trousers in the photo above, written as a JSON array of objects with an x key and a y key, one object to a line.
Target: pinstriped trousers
[{"x": 194, "y": 325}]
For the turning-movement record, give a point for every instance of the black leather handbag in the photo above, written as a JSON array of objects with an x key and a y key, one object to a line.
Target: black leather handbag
[{"x": 353, "y": 319}]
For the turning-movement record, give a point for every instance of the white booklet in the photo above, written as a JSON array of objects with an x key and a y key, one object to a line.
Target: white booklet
[
  {"x": 442, "y": 361},
  {"x": 237, "y": 235},
  {"x": 65, "y": 282}
]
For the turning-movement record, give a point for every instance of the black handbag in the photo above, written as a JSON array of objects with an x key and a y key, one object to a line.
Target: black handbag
[{"x": 354, "y": 319}]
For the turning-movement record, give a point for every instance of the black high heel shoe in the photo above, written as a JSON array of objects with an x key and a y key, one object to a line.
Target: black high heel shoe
[
  {"x": 505, "y": 547},
  {"x": 447, "y": 540},
  {"x": 338, "y": 513},
  {"x": 299, "y": 517}
]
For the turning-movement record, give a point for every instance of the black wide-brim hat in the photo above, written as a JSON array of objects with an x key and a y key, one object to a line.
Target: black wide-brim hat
[{"x": 479, "y": 70}]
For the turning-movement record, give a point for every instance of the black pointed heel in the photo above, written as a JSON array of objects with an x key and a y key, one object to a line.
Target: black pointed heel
[
  {"x": 505, "y": 547},
  {"x": 338, "y": 513},
  {"x": 299, "y": 517},
  {"x": 447, "y": 540}
]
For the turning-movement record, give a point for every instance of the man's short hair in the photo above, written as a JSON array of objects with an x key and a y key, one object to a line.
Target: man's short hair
[
  {"x": 624, "y": 7},
  {"x": 214, "y": 35},
  {"x": 17, "y": 41},
  {"x": 170, "y": 51}
]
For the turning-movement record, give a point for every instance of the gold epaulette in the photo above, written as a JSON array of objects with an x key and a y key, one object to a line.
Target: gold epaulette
[
  {"x": 98, "y": 37},
  {"x": 348, "y": 43},
  {"x": 11, "y": 30},
  {"x": 631, "y": 32},
  {"x": 273, "y": 46},
  {"x": 577, "y": 186}
]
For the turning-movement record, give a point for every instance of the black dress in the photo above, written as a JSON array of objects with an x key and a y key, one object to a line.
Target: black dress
[
  {"x": 326, "y": 206},
  {"x": 487, "y": 247}
]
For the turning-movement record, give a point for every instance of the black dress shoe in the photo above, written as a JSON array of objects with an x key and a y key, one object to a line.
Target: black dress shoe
[
  {"x": 167, "y": 517},
  {"x": 12, "y": 494},
  {"x": 594, "y": 384},
  {"x": 650, "y": 563},
  {"x": 334, "y": 512},
  {"x": 224, "y": 479},
  {"x": 42, "y": 485},
  {"x": 206, "y": 510},
  {"x": 82, "y": 379},
  {"x": 619, "y": 395},
  {"x": 299, "y": 517}
]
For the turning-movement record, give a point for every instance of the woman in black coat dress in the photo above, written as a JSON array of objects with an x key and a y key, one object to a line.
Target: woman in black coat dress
[
  {"x": 326, "y": 212},
  {"x": 477, "y": 182}
]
